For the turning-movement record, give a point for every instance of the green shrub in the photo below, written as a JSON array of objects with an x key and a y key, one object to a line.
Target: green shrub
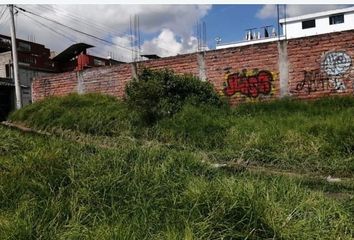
[{"x": 155, "y": 94}]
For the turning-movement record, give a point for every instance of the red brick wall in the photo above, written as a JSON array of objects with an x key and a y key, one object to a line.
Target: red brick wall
[
  {"x": 318, "y": 65},
  {"x": 54, "y": 85},
  {"x": 109, "y": 80},
  {"x": 244, "y": 62},
  {"x": 186, "y": 63}
]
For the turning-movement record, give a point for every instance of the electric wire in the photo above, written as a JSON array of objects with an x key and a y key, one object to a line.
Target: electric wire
[
  {"x": 6, "y": 17},
  {"x": 2, "y": 14},
  {"x": 98, "y": 53},
  {"x": 3, "y": 11},
  {"x": 76, "y": 22},
  {"x": 55, "y": 31},
  {"x": 52, "y": 29},
  {"x": 83, "y": 20},
  {"x": 73, "y": 29}
]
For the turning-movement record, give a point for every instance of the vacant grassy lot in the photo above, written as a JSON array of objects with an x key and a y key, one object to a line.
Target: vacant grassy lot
[
  {"x": 315, "y": 136},
  {"x": 104, "y": 175}
]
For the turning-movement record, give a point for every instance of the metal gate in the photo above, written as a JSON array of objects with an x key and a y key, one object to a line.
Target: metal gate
[{"x": 6, "y": 99}]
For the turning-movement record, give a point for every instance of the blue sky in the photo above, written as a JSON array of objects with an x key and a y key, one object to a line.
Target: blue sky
[
  {"x": 166, "y": 30},
  {"x": 229, "y": 22}
]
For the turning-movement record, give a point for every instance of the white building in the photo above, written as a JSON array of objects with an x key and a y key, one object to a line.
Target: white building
[
  {"x": 318, "y": 23},
  {"x": 303, "y": 26}
]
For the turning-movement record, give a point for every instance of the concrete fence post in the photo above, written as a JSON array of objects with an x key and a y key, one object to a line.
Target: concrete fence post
[
  {"x": 201, "y": 66},
  {"x": 283, "y": 64},
  {"x": 134, "y": 67},
  {"x": 80, "y": 82}
]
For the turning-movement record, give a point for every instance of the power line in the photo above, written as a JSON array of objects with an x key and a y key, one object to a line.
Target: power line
[
  {"x": 73, "y": 29},
  {"x": 62, "y": 32},
  {"x": 2, "y": 14},
  {"x": 55, "y": 20},
  {"x": 82, "y": 20},
  {"x": 7, "y": 17},
  {"x": 77, "y": 21},
  {"x": 91, "y": 24},
  {"x": 99, "y": 28},
  {"x": 53, "y": 30},
  {"x": 66, "y": 33},
  {"x": 84, "y": 33},
  {"x": 3, "y": 11}
]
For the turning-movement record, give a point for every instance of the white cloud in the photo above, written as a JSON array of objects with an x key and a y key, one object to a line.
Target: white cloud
[
  {"x": 166, "y": 44},
  {"x": 118, "y": 53},
  {"x": 112, "y": 22},
  {"x": 267, "y": 11},
  {"x": 270, "y": 11}
]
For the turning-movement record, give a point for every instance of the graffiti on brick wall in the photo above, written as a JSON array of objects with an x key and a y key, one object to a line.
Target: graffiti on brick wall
[
  {"x": 316, "y": 80},
  {"x": 332, "y": 76},
  {"x": 336, "y": 63},
  {"x": 249, "y": 83}
]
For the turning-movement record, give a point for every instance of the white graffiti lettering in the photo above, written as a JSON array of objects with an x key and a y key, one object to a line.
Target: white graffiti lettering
[
  {"x": 336, "y": 63},
  {"x": 337, "y": 84}
]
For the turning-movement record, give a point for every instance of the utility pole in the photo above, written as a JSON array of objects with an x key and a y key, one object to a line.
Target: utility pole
[
  {"x": 14, "y": 58},
  {"x": 278, "y": 19}
]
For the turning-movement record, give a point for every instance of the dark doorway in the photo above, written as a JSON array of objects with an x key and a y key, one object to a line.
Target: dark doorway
[{"x": 6, "y": 101}]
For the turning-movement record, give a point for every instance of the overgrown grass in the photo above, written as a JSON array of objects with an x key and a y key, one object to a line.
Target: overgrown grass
[
  {"x": 109, "y": 177},
  {"x": 52, "y": 188},
  {"x": 306, "y": 136},
  {"x": 90, "y": 113},
  {"x": 315, "y": 136}
]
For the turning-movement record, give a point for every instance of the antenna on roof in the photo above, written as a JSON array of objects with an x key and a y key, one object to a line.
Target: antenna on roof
[
  {"x": 218, "y": 40},
  {"x": 266, "y": 31},
  {"x": 251, "y": 34}
]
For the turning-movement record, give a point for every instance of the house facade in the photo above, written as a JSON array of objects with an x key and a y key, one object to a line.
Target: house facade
[{"x": 297, "y": 27}]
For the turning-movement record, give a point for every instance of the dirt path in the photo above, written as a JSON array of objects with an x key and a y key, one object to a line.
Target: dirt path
[{"x": 232, "y": 167}]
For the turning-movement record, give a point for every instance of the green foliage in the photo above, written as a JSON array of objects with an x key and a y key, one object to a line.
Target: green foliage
[
  {"x": 299, "y": 135},
  {"x": 109, "y": 175},
  {"x": 89, "y": 113},
  {"x": 155, "y": 94},
  {"x": 202, "y": 127},
  {"x": 58, "y": 189},
  {"x": 127, "y": 181}
]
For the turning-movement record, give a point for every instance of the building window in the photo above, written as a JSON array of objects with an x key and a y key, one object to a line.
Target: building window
[
  {"x": 22, "y": 46},
  {"x": 27, "y": 59},
  {"x": 309, "y": 24},
  {"x": 98, "y": 62},
  {"x": 8, "y": 70},
  {"x": 336, "y": 19}
]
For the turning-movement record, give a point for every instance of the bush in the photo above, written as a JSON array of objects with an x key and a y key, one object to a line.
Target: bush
[{"x": 155, "y": 94}]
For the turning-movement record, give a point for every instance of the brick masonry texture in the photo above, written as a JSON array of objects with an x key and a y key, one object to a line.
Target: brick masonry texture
[
  {"x": 222, "y": 63},
  {"x": 54, "y": 85},
  {"x": 316, "y": 66},
  {"x": 321, "y": 65}
]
